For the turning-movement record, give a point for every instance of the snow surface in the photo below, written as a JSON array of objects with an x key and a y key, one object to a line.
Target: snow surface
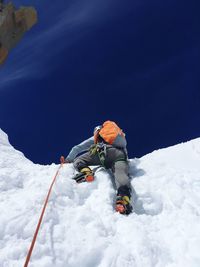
[{"x": 80, "y": 227}]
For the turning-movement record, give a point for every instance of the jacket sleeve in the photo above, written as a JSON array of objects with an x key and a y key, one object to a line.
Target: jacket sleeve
[{"x": 84, "y": 146}]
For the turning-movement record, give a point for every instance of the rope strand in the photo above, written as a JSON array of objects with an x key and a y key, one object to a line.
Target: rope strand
[{"x": 40, "y": 219}]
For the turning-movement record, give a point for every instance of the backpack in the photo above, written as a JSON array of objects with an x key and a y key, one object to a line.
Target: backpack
[{"x": 112, "y": 134}]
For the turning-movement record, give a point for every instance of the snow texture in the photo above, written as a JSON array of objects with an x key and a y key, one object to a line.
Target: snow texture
[{"x": 80, "y": 227}]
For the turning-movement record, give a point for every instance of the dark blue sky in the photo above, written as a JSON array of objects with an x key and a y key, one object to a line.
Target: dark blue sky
[{"x": 135, "y": 62}]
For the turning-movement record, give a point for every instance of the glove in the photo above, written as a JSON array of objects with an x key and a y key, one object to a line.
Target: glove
[{"x": 63, "y": 160}]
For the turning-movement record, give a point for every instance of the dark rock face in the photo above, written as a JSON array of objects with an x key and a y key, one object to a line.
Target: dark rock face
[{"x": 13, "y": 24}]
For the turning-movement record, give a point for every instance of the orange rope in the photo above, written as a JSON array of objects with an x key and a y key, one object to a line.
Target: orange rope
[{"x": 40, "y": 220}]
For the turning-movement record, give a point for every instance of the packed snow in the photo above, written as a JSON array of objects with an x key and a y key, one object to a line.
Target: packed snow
[{"x": 80, "y": 226}]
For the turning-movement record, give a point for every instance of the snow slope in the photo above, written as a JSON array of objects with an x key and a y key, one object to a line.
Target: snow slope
[{"x": 80, "y": 227}]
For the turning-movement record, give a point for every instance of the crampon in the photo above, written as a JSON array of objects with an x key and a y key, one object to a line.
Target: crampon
[
  {"x": 123, "y": 205},
  {"x": 82, "y": 177}
]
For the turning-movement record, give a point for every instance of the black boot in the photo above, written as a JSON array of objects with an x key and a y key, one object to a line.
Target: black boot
[
  {"x": 85, "y": 175},
  {"x": 123, "y": 200}
]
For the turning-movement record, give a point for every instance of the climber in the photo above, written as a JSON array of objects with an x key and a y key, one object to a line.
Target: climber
[{"x": 107, "y": 148}]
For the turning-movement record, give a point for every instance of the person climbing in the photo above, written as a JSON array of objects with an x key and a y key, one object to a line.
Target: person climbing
[{"x": 107, "y": 148}]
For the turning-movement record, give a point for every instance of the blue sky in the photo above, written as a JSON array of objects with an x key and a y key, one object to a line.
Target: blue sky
[{"x": 88, "y": 61}]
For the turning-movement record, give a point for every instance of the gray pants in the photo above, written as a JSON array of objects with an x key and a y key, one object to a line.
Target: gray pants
[{"x": 116, "y": 160}]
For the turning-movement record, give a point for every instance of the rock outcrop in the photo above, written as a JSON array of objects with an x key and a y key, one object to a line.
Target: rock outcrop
[{"x": 13, "y": 24}]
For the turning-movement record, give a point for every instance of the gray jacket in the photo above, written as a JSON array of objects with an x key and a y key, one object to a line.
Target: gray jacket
[{"x": 85, "y": 145}]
